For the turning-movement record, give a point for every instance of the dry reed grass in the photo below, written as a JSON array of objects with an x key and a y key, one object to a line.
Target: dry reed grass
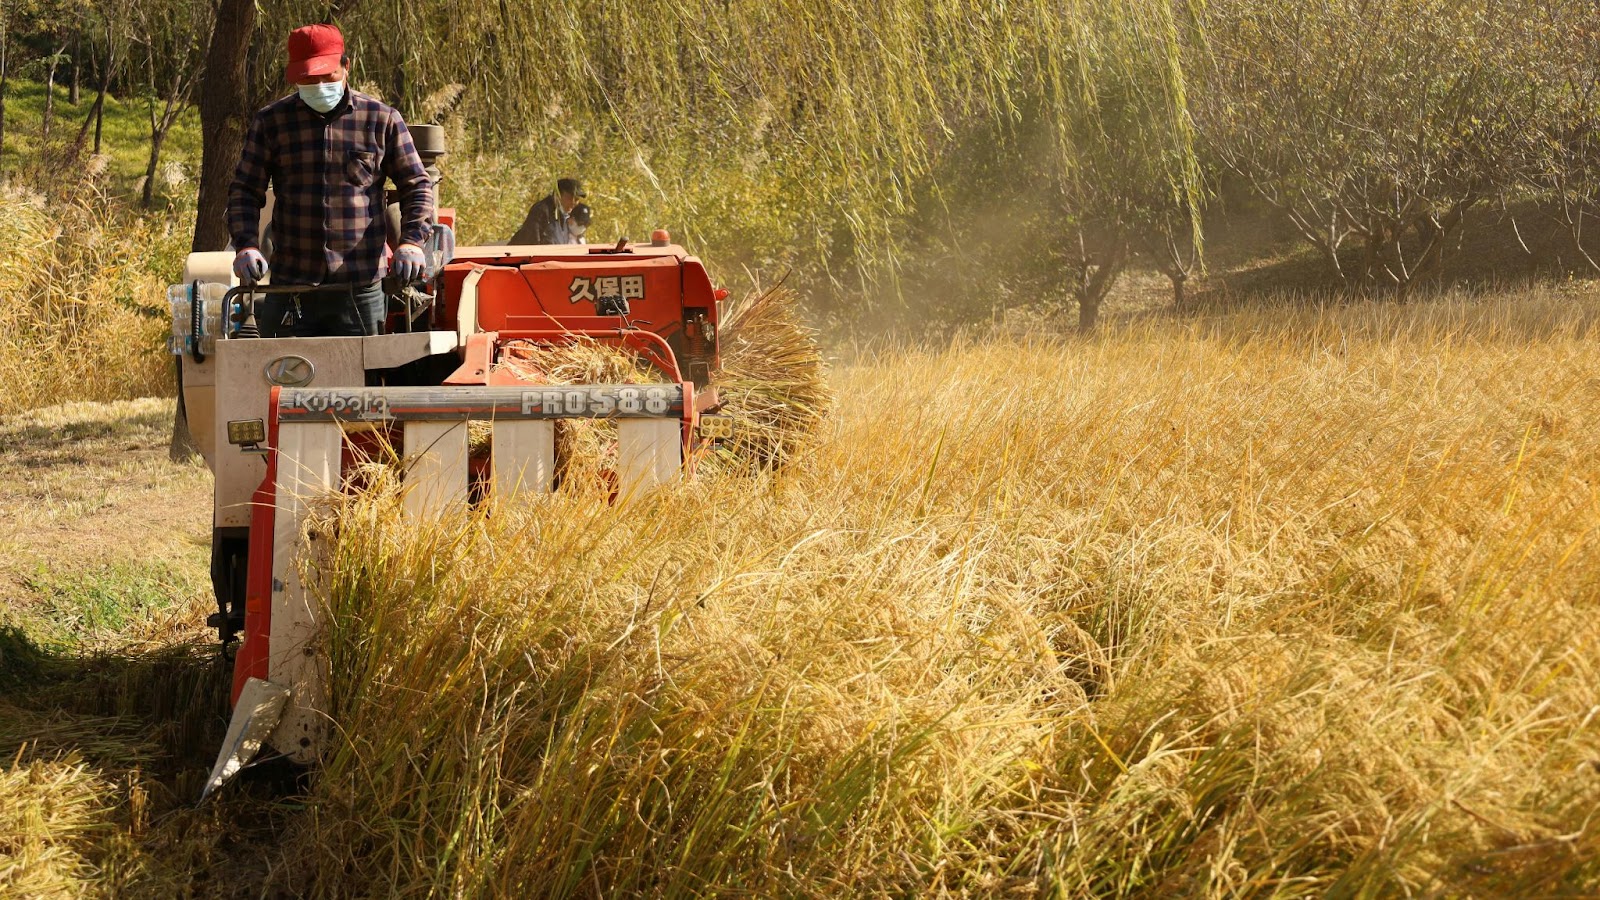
[
  {"x": 1283, "y": 604},
  {"x": 81, "y": 305}
]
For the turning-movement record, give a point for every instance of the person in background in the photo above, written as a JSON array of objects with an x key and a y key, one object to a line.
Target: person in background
[
  {"x": 326, "y": 150},
  {"x": 578, "y": 223},
  {"x": 546, "y": 222}
]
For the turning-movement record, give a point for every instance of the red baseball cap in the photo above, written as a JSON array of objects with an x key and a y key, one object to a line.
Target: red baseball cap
[{"x": 314, "y": 50}]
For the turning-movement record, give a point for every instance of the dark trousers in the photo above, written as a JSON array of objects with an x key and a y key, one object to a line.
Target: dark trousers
[{"x": 335, "y": 310}]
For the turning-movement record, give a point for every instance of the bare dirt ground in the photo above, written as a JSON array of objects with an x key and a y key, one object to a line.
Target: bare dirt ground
[
  {"x": 109, "y": 679},
  {"x": 94, "y": 518}
]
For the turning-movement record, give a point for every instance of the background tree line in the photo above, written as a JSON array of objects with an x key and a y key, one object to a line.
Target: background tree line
[
  {"x": 938, "y": 147},
  {"x": 149, "y": 50}
]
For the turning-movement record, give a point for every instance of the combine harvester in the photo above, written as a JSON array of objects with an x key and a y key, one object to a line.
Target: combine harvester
[{"x": 283, "y": 421}]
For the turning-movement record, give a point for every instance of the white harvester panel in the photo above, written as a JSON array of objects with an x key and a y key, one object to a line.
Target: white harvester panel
[
  {"x": 308, "y": 468},
  {"x": 433, "y": 425},
  {"x": 524, "y": 457},
  {"x": 649, "y": 417},
  {"x": 436, "y": 467},
  {"x": 649, "y": 452},
  {"x": 245, "y": 371}
]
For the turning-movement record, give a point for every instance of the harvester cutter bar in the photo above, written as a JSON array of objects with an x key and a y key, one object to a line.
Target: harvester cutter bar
[
  {"x": 421, "y": 404},
  {"x": 282, "y": 700}
]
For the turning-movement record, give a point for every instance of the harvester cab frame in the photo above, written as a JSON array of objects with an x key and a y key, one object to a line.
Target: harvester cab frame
[{"x": 282, "y": 421}]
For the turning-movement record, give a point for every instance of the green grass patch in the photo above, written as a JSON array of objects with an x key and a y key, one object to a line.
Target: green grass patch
[
  {"x": 79, "y": 606},
  {"x": 125, "y": 132}
]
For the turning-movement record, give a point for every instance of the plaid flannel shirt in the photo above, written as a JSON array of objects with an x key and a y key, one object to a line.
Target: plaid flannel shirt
[{"x": 327, "y": 173}]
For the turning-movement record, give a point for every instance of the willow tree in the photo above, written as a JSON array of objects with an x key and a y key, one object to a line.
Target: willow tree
[
  {"x": 848, "y": 102},
  {"x": 1117, "y": 104},
  {"x": 851, "y": 102},
  {"x": 834, "y": 113}
]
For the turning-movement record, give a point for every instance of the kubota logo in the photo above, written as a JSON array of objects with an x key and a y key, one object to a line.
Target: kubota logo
[
  {"x": 609, "y": 287},
  {"x": 291, "y": 371}
]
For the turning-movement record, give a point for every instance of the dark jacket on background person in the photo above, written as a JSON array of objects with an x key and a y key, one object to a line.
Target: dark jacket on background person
[
  {"x": 545, "y": 224},
  {"x": 327, "y": 172}
]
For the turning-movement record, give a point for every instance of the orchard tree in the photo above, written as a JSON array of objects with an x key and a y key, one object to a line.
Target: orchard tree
[
  {"x": 1127, "y": 174},
  {"x": 1564, "y": 165},
  {"x": 169, "y": 42},
  {"x": 1378, "y": 124}
]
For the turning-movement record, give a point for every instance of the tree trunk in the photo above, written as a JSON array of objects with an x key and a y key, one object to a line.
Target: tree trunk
[
  {"x": 224, "y": 115},
  {"x": 50, "y": 94},
  {"x": 5, "y": 76},
  {"x": 1088, "y": 313},
  {"x": 100, "y": 99},
  {"x": 1372, "y": 251},
  {"x": 1171, "y": 260},
  {"x": 398, "y": 86},
  {"x": 177, "y": 97},
  {"x": 93, "y": 115},
  {"x": 1092, "y": 289},
  {"x": 89, "y": 120},
  {"x": 1439, "y": 231},
  {"x": 73, "y": 94},
  {"x": 157, "y": 135}
]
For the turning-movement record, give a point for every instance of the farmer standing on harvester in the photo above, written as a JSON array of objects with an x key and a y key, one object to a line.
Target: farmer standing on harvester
[{"x": 326, "y": 150}]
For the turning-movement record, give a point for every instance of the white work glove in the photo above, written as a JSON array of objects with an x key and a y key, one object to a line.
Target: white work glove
[
  {"x": 408, "y": 264},
  {"x": 250, "y": 266}
]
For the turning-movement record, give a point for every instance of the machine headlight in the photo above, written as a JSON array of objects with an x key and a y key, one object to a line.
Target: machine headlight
[{"x": 247, "y": 432}]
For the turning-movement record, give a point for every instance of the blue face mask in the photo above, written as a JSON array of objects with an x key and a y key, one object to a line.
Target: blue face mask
[{"x": 323, "y": 96}]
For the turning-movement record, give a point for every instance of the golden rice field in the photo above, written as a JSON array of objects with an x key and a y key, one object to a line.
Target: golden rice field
[{"x": 1277, "y": 603}]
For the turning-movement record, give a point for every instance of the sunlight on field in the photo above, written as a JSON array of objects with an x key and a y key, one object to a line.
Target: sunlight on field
[
  {"x": 1280, "y": 604},
  {"x": 1285, "y": 602},
  {"x": 125, "y": 133}
]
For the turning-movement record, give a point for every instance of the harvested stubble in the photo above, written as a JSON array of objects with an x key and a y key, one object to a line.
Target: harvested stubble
[
  {"x": 106, "y": 753},
  {"x": 51, "y": 812},
  {"x": 1269, "y": 606}
]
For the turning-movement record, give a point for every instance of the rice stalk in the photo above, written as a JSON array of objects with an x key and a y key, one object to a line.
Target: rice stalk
[
  {"x": 773, "y": 382},
  {"x": 1233, "y": 608}
]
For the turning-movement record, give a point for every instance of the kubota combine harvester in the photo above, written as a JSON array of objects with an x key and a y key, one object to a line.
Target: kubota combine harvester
[{"x": 282, "y": 421}]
